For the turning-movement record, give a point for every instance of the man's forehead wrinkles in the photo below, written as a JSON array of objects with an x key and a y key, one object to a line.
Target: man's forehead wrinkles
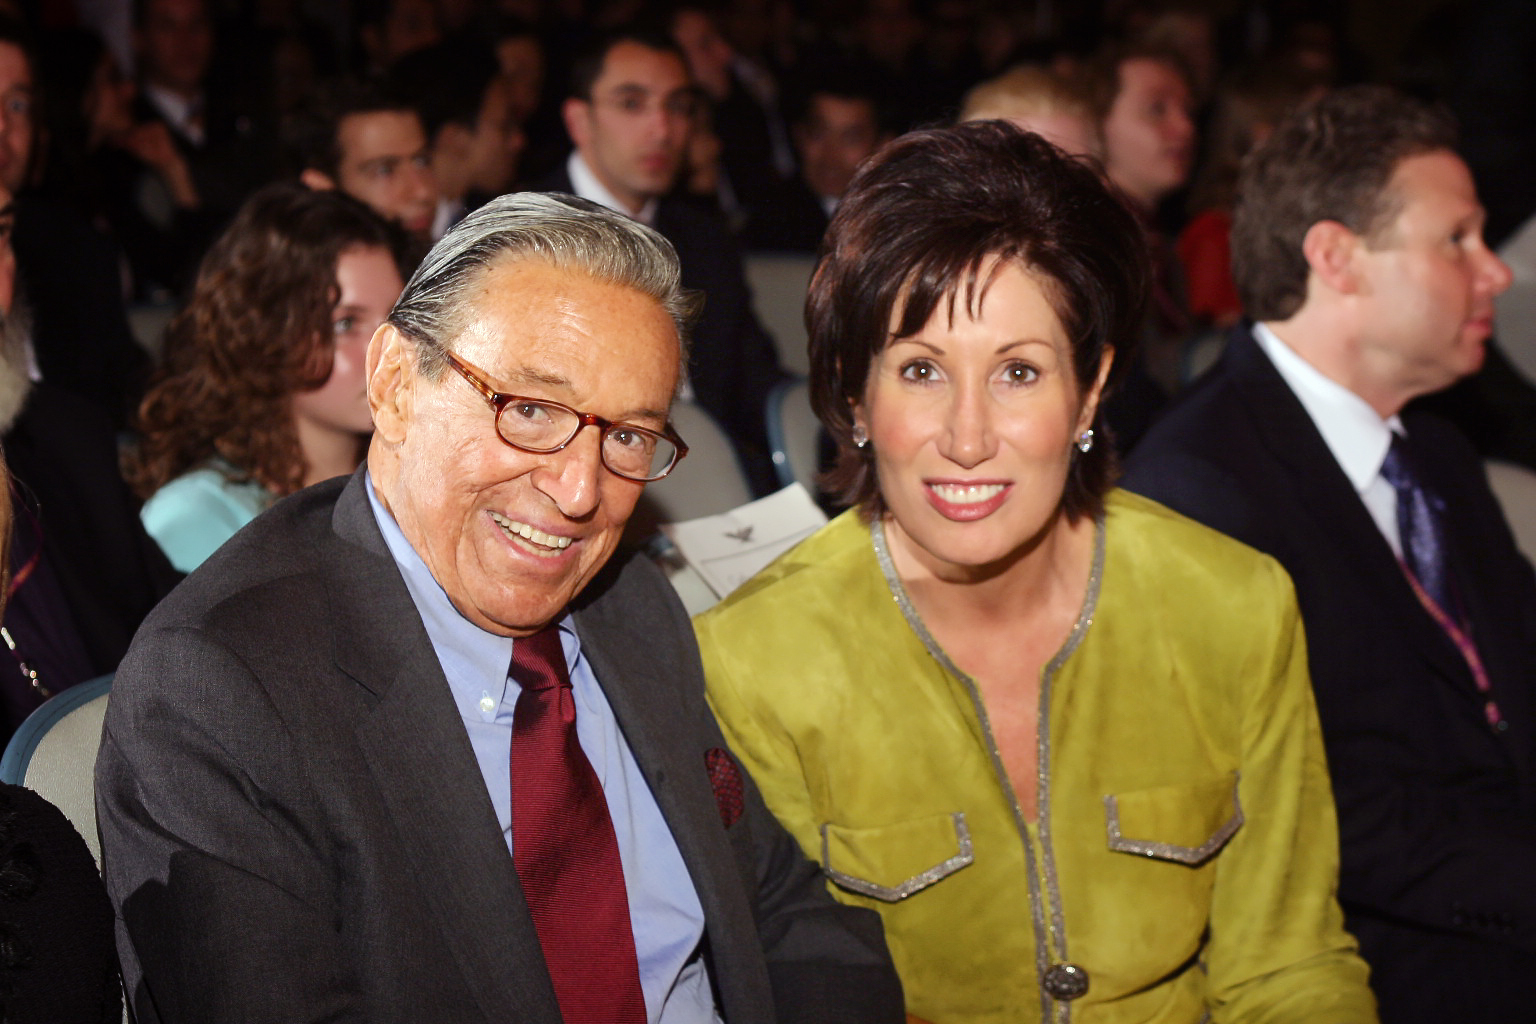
[{"x": 525, "y": 375}]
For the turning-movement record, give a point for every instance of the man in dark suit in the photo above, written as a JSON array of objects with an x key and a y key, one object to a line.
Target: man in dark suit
[
  {"x": 837, "y": 125},
  {"x": 629, "y": 113},
  {"x": 323, "y": 793},
  {"x": 1359, "y": 254}
]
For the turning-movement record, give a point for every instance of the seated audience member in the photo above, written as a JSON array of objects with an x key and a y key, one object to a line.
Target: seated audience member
[
  {"x": 79, "y": 339},
  {"x": 836, "y": 128},
  {"x": 1358, "y": 251},
  {"x": 742, "y": 111},
  {"x": 101, "y": 160},
  {"x": 520, "y": 54},
  {"x": 472, "y": 130},
  {"x": 998, "y": 699},
  {"x": 262, "y": 389},
  {"x": 83, "y": 571},
  {"x": 305, "y": 801},
  {"x": 1147, "y": 122},
  {"x": 58, "y": 964},
  {"x": 1144, "y": 104},
  {"x": 629, "y": 115},
  {"x": 218, "y": 134},
  {"x": 1247, "y": 108},
  {"x": 1041, "y": 101},
  {"x": 366, "y": 140}
]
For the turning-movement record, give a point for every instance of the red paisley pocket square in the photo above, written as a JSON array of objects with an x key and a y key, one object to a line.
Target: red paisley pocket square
[{"x": 725, "y": 777}]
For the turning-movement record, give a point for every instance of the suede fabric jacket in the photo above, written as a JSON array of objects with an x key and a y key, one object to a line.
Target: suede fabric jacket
[{"x": 1185, "y": 854}]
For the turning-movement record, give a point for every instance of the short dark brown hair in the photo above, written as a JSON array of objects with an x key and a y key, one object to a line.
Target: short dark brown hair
[
  {"x": 1331, "y": 160},
  {"x": 313, "y": 134},
  {"x": 918, "y": 222},
  {"x": 587, "y": 66}
]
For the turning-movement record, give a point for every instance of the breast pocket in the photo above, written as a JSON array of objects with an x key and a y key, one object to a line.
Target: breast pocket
[
  {"x": 1186, "y": 823},
  {"x": 891, "y": 862}
]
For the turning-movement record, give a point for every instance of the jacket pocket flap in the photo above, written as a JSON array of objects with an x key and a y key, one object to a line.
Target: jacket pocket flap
[
  {"x": 1185, "y": 823},
  {"x": 892, "y": 862}
]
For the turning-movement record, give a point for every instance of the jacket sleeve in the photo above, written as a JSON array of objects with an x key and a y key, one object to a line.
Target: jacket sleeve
[
  {"x": 1278, "y": 950},
  {"x": 226, "y": 910}
]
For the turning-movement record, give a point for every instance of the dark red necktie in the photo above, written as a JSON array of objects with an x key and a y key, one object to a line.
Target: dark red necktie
[{"x": 564, "y": 847}]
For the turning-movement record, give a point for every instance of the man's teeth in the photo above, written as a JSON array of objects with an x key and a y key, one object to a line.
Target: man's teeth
[
  {"x": 528, "y": 533},
  {"x": 967, "y": 494}
]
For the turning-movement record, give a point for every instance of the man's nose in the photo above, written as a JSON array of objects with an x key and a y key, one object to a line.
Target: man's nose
[
  {"x": 1496, "y": 273},
  {"x": 571, "y": 477}
]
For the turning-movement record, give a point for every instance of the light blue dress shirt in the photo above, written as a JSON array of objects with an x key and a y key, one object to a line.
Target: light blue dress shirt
[{"x": 664, "y": 908}]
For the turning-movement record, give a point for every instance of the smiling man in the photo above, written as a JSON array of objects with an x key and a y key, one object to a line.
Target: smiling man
[
  {"x": 417, "y": 746},
  {"x": 1358, "y": 251}
]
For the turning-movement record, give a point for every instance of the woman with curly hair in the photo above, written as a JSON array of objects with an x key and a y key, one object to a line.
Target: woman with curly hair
[{"x": 262, "y": 389}]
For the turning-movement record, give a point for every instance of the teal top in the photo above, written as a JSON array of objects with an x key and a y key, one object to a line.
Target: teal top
[{"x": 194, "y": 514}]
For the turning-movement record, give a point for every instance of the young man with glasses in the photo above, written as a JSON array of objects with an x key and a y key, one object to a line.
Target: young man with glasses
[{"x": 629, "y": 115}]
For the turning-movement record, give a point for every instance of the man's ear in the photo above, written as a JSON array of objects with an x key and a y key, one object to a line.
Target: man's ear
[
  {"x": 317, "y": 181},
  {"x": 576, "y": 114},
  {"x": 1330, "y": 249},
  {"x": 392, "y": 378}
]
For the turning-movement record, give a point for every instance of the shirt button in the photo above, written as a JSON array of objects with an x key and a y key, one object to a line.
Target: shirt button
[
  {"x": 1066, "y": 981},
  {"x": 487, "y": 705}
]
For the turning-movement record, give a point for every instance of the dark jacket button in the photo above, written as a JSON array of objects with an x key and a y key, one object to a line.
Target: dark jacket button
[{"x": 1066, "y": 981}]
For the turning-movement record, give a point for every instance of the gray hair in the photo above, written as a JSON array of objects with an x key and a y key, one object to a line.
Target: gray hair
[{"x": 562, "y": 231}]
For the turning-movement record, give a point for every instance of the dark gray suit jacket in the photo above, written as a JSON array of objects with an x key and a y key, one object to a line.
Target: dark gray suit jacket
[
  {"x": 1437, "y": 812},
  {"x": 294, "y": 826}
]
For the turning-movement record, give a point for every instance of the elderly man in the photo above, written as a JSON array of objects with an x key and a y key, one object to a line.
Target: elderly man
[
  {"x": 1359, "y": 253},
  {"x": 323, "y": 793}
]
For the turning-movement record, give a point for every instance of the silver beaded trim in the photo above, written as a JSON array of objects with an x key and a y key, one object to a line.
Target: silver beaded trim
[
  {"x": 1191, "y": 855},
  {"x": 895, "y": 894},
  {"x": 1061, "y": 1010}
]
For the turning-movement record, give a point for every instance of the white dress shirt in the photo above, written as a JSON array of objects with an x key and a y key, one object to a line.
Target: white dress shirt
[
  {"x": 182, "y": 114},
  {"x": 1354, "y": 433},
  {"x": 586, "y": 185}
]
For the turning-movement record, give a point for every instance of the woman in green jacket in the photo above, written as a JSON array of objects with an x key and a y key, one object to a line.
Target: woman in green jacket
[{"x": 1061, "y": 738}]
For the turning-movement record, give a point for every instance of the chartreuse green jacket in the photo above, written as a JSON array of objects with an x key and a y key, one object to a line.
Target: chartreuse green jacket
[{"x": 1185, "y": 855}]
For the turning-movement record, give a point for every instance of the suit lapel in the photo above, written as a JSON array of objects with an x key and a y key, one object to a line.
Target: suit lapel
[
  {"x": 427, "y": 775},
  {"x": 1326, "y": 497}
]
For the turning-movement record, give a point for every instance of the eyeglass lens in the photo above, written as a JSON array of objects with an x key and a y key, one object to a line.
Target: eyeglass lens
[{"x": 627, "y": 451}]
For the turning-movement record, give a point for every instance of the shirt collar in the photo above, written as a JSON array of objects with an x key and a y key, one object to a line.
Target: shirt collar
[
  {"x": 1354, "y": 433},
  {"x": 586, "y": 185},
  {"x": 175, "y": 108},
  {"x": 475, "y": 661}
]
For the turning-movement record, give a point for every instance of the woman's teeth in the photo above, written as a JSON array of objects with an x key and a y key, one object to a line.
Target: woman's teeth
[{"x": 967, "y": 494}]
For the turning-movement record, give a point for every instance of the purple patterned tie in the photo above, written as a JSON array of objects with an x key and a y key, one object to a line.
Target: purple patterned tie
[
  {"x": 564, "y": 847},
  {"x": 1420, "y": 517}
]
